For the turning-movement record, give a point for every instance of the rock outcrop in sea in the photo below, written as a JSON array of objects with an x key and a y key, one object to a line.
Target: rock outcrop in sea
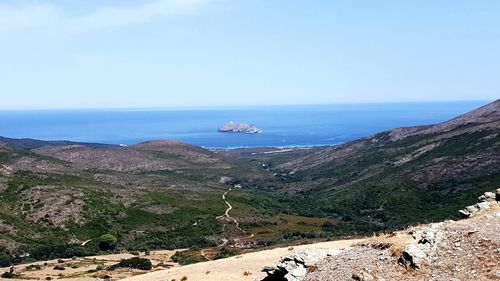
[{"x": 234, "y": 127}]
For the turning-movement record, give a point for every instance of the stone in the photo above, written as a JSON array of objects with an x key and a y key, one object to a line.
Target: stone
[
  {"x": 497, "y": 196},
  {"x": 487, "y": 197},
  {"x": 469, "y": 211},
  {"x": 472, "y": 209},
  {"x": 362, "y": 276},
  {"x": 295, "y": 266},
  {"x": 416, "y": 254},
  {"x": 413, "y": 256},
  {"x": 464, "y": 214},
  {"x": 483, "y": 205}
]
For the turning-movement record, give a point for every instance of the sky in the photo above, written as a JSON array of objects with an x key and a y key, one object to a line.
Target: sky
[{"x": 188, "y": 53}]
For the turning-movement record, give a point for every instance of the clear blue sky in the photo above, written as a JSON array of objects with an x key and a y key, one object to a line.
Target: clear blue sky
[{"x": 168, "y": 53}]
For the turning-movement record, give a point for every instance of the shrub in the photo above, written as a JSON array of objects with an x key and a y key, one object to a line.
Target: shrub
[
  {"x": 224, "y": 253},
  {"x": 185, "y": 258},
  {"x": 8, "y": 275},
  {"x": 32, "y": 267},
  {"x": 5, "y": 260},
  {"x": 107, "y": 242},
  {"x": 59, "y": 267},
  {"x": 135, "y": 262},
  {"x": 49, "y": 252}
]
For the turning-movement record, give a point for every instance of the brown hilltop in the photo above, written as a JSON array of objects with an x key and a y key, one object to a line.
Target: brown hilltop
[
  {"x": 488, "y": 116},
  {"x": 482, "y": 123}
]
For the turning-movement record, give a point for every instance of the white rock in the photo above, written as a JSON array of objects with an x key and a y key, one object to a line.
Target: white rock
[{"x": 483, "y": 205}]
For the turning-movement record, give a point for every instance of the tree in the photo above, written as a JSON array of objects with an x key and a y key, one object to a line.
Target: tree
[{"x": 107, "y": 242}]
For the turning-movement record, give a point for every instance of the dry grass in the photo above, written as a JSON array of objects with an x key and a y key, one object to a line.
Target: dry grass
[{"x": 394, "y": 241}]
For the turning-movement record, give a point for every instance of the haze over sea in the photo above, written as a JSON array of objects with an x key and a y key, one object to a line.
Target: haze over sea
[{"x": 283, "y": 126}]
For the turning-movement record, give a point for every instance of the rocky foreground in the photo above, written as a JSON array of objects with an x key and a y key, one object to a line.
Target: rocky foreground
[{"x": 451, "y": 250}]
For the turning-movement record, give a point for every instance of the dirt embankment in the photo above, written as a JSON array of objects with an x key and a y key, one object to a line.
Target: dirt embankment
[{"x": 247, "y": 267}]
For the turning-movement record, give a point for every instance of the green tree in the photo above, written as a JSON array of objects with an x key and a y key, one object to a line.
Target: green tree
[{"x": 107, "y": 242}]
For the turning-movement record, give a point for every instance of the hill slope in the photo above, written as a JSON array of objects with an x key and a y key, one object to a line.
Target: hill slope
[
  {"x": 54, "y": 196},
  {"x": 162, "y": 194},
  {"x": 397, "y": 177}
]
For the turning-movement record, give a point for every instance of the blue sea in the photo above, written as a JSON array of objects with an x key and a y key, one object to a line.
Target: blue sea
[{"x": 283, "y": 126}]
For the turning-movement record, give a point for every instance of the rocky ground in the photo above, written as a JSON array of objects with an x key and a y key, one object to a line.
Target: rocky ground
[{"x": 451, "y": 250}]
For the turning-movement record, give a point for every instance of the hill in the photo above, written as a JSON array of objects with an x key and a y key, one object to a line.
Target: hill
[
  {"x": 393, "y": 178},
  {"x": 57, "y": 199},
  {"x": 155, "y": 195}
]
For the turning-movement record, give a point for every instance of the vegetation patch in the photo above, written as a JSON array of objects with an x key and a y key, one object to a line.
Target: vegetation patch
[
  {"x": 135, "y": 263},
  {"x": 188, "y": 257}
]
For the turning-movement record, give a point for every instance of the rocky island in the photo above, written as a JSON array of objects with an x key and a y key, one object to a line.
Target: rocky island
[{"x": 234, "y": 127}]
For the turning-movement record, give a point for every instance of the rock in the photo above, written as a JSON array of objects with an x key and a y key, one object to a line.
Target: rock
[
  {"x": 497, "y": 196},
  {"x": 233, "y": 127},
  {"x": 225, "y": 179},
  {"x": 485, "y": 202},
  {"x": 487, "y": 197},
  {"x": 483, "y": 205},
  {"x": 363, "y": 276},
  {"x": 415, "y": 255},
  {"x": 295, "y": 266}
]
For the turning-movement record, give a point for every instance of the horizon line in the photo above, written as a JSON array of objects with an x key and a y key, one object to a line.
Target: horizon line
[{"x": 239, "y": 106}]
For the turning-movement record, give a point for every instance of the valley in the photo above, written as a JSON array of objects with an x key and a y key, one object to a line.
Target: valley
[{"x": 64, "y": 200}]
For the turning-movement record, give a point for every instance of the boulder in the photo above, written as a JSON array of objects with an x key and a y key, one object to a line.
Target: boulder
[
  {"x": 295, "y": 266},
  {"x": 487, "y": 197},
  {"x": 416, "y": 254}
]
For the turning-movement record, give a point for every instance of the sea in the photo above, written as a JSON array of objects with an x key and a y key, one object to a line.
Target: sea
[{"x": 282, "y": 126}]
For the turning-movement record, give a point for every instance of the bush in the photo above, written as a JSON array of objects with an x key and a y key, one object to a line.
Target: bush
[
  {"x": 49, "y": 252},
  {"x": 135, "y": 262},
  {"x": 5, "y": 260},
  {"x": 107, "y": 242},
  {"x": 224, "y": 253},
  {"x": 33, "y": 267},
  {"x": 185, "y": 258},
  {"x": 59, "y": 267},
  {"x": 8, "y": 275}
]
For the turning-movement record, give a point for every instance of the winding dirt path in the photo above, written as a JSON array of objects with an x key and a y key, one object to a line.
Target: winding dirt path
[{"x": 229, "y": 208}]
